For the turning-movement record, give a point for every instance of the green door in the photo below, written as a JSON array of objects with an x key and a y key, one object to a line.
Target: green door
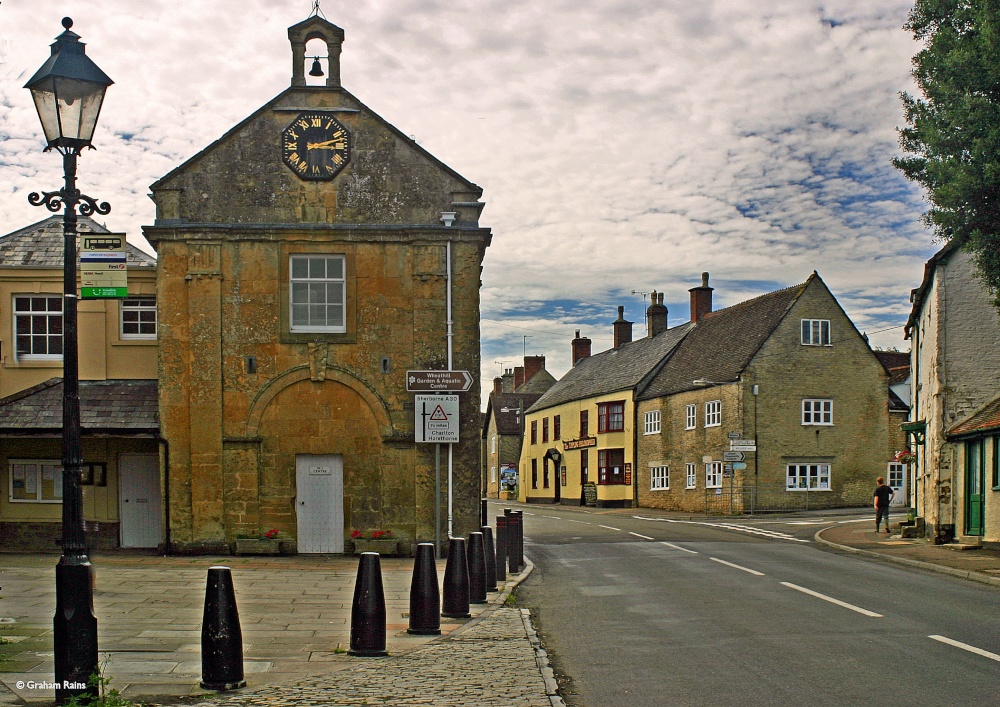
[{"x": 974, "y": 487}]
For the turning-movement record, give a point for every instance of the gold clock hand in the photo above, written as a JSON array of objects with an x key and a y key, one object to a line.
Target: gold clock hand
[{"x": 327, "y": 145}]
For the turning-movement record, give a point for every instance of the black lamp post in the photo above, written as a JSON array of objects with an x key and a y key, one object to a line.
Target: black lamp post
[{"x": 68, "y": 91}]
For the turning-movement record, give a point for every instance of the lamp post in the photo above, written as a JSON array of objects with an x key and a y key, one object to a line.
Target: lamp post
[{"x": 68, "y": 91}]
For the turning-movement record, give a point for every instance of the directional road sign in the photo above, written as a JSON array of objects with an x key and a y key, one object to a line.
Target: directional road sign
[
  {"x": 436, "y": 418},
  {"x": 732, "y": 456},
  {"x": 443, "y": 381}
]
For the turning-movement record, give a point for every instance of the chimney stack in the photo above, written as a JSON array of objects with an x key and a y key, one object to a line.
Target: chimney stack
[
  {"x": 532, "y": 365},
  {"x": 656, "y": 315},
  {"x": 508, "y": 381},
  {"x": 518, "y": 377},
  {"x": 498, "y": 385},
  {"x": 623, "y": 329},
  {"x": 701, "y": 299},
  {"x": 581, "y": 347}
]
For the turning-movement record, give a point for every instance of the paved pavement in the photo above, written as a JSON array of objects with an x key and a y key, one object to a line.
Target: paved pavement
[{"x": 295, "y": 617}]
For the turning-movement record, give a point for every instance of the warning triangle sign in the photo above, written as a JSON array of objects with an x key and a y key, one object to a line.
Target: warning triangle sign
[{"x": 439, "y": 415}]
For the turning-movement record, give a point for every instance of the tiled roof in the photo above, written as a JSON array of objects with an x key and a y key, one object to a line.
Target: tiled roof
[
  {"x": 40, "y": 245},
  {"x": 121, "y": 406},
  {"x": 722, "y": 343},
  {"x": 896, "y": 364},
  {"x": 987, "y": 418},
  {"x": 507, "y": 422},
  {"x": 623, "y": 368}
]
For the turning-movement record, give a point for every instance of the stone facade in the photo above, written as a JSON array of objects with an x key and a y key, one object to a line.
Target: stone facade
[{"x": 243, "y": 394}]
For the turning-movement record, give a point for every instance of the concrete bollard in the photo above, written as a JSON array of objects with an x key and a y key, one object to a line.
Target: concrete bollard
[
  {"x": 425, "y": 597},
  {"x": 221, "y": 636},
  {"x": 501, "y": 548},
  {"x": 456, "y": 582},
  {"x": 368, "y": 610},
  {"x": 491, "y": 559},
  {"x": 513, "y": 527},
  {"x": 477, "y": 569}
]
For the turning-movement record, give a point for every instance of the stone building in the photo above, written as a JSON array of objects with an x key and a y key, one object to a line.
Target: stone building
[
  {"x": 307, "y": 259},
  {"x": 788, "y": 373},
  {"x": 955, "y": 331}
]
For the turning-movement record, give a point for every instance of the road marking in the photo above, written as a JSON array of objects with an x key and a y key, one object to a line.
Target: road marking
[
  {"x": 739, "y": 567},
  {"x": 609, "y": 527},
  {"x": 644, "y": 537},
  {"x": 838, "y": 602},
  {"x": 677, "y": 547},
  {"x": 552, "y": 517},
  {"x": 966, "y": 647},
  {"x": 585, "y": 522},
  {"x": 771, "y": 534}
]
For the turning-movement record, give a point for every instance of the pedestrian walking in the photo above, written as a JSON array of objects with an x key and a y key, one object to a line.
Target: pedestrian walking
[{"x": 883, "y": 495}]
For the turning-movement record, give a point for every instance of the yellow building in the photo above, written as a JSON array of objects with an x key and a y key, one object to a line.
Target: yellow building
[{"x": 118, "y": 370}]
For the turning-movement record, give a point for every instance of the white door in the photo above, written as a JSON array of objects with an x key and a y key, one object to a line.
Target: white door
[
  {"x": 319, "y": 502},
  {"x": 139, "y": 508},
  {"x": 896, "y": 478}
]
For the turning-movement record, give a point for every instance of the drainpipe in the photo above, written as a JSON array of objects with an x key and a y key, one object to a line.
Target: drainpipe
[{"x": 449, "y": 218}]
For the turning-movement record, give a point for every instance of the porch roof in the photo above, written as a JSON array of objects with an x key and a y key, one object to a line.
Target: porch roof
[
  {"x": 110, "y": 407},
  {"x": 986, "y": 419}
]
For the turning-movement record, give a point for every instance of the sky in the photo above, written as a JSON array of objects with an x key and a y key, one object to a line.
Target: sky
[{"x": 623, "y": 146}]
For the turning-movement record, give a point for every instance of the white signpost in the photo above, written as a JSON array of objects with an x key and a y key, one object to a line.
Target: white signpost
[{"x": 435, "y": 418}]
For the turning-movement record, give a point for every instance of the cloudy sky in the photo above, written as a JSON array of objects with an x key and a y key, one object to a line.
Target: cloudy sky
[{"x": 624, "y": 146}]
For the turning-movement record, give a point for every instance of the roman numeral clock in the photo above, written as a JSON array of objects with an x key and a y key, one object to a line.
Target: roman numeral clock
[{"x": 316, "y": 146}]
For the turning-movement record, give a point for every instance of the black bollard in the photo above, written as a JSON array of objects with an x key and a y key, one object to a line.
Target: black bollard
[
  {"x": 513, "y": 524},
  {"x": 425, "y": 597},
  {"x": 501, "y": 548},
  {"x": 520, "y": 540},
  {"x": 491, "y": 559},
  {"x": 368, "y": 611},
  {"x": 477, "y": 569},
  {"x": 221, "y": 636},
  {"x": 456, "y": 582}
]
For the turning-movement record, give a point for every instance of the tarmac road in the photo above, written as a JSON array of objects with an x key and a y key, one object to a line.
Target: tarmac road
[{"x": 697, "y": 611}]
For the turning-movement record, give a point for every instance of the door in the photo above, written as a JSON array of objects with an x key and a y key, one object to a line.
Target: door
[
  {"x": 896, "y": 477},
  {"x": 974, "y": 487},
  {"x": 319, "y": 502},
  {"x": 139, "y": 510}
]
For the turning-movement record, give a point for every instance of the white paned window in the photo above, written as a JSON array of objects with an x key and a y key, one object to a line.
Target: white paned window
[
  {"x": 814, "y": 477},
  {"x": 690, "y": 417},
  {"x": 713, "y": 413},
  {"x": 38, "y": 327},
  {"x": 652, "y": 420},
  {"x": 659, "y": 478},
  {"x": 317, "y": 297},
  {"x": 817, "y": 412},
  {"x": 691, "y": 475},
  {"x": 816, "y": 332},
  {"x": 713, "y": 475},
  {"x": 895, "y": 473},
  {"x": 138, "y": 317}
]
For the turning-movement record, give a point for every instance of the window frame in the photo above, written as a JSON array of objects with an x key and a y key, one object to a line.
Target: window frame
[
  {"x": 534, "y": 473},
  {"x": 713, "y": 413},
  {"x": 556, "y": 427},
  {"x": 609, "y": 415},
  {"x": 651, "y": 422},
  {"x": 895, "y": 468},
  {"x": 534, "y": 432},
  {"x": 606, "y": 462},
  {"x": 584, "y": 466},
  {"x": 659, "y": 478},
  {"x": 38, "y": 480},
  {"x": 307, "y": 328},
  {"x": 825, "y": 415},
  {"x": 690, "y": 416},
  {"x": 545, "y": 430},
  {"x": 996, "y": 462},
  {"x": 690, "y": 475},
  {"x": 815, "y": 332},
  {"x": 584, "y": 423},
  {"x": 124, "y": 308},
  {"x": 713, "y": 475},
  {"x": 819, "y": 476},
  {"x": 31, "y": 315}
]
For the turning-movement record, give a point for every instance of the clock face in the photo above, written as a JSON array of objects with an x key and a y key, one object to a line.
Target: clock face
[{"x": 316, "y": 146}]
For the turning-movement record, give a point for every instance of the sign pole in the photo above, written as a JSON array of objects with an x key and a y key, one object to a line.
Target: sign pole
[{"x": 437, "y": 499}]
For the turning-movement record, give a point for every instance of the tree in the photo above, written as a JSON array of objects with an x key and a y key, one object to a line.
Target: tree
[{"x": 953, "y": 133}]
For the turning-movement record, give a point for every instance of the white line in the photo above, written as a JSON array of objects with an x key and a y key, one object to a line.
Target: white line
[
  {"x": 552, "y": 517},
  {"x": 644, "y": 537},
  {"x": 966, "y": 647},
  {"x": 609, "y": 527},
  {"x": 585, "y": 522},
  {"x": 677, "y": 547},
  {"x": 838, "y": 602},
  {"x": 739, "y": 567}
]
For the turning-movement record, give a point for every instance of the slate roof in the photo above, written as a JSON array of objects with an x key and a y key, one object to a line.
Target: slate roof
[
  {"x": 986, "y": 419},
  {"x": 624, "y": 368},
  {"x": 721, "y": 343},
  {"x": 507, "y": 422},
  {"x": 122, "y": 407},
  {"x": 40, "y": 245},
  {"x": 896, "y": 364}
]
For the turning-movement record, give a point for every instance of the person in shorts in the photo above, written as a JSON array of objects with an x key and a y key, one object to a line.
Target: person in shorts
[{"x": 883, "y": 495}]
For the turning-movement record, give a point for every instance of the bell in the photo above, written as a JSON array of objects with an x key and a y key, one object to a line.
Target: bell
[{"x": 316, "y": 69}]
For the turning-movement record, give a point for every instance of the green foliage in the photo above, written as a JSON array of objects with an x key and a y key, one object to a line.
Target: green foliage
[
  {"x": 103, "y": 697},
  {"x": 953, "y": 133}
]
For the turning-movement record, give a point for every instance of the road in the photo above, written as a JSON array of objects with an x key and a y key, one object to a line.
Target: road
[{"x": 651, "y": 611}]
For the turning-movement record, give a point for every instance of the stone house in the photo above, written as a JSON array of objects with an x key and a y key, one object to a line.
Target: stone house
[
  {"x": 954, "y": 329},
  {"x": 307, "y": 259},
  {"x": 897, "y": 473},
  {"x": 777, "y": 401},
  {"x": 120, "y": 429},
  {"x": 513, "y": 393}
]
